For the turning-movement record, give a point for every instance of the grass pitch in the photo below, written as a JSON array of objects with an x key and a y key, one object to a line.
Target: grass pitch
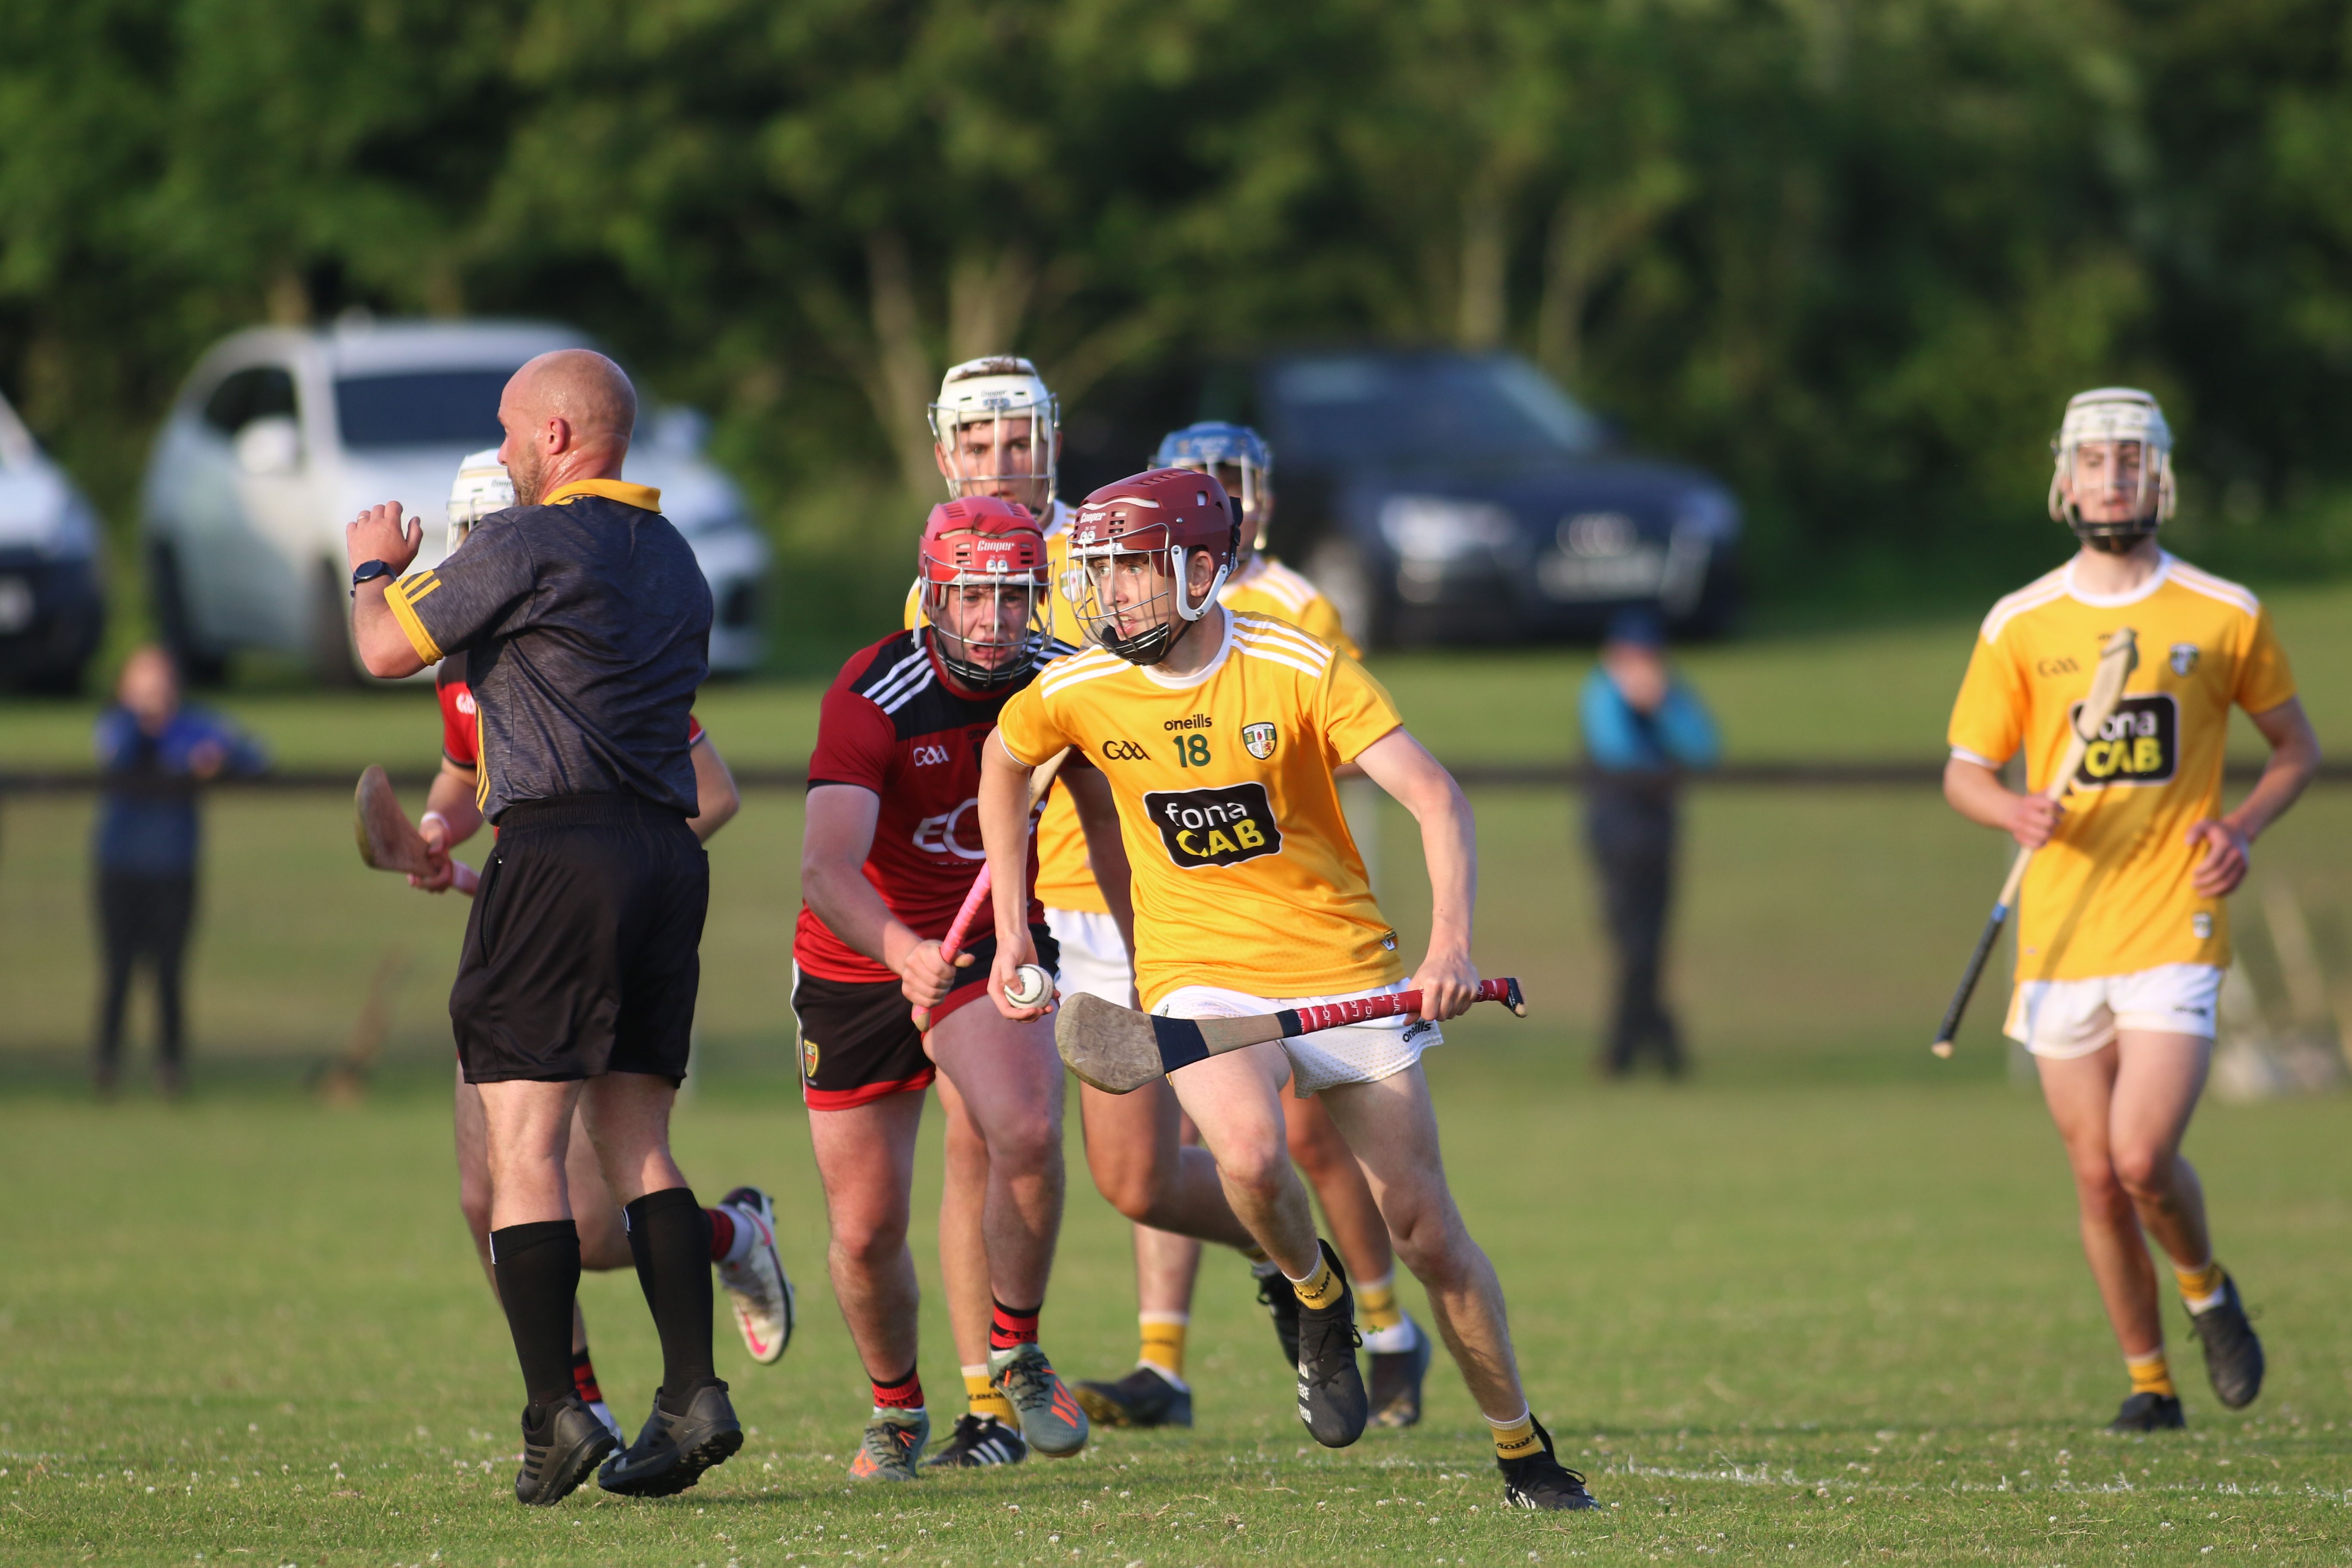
[
  {"x": 1824, "y": 1305},
  {"x": 1841, "y": 1324}
]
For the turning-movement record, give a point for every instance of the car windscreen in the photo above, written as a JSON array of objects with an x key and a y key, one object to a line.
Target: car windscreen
[
  {"x": 1345, "y": 409},
  {"x": 421, "y": 408}
]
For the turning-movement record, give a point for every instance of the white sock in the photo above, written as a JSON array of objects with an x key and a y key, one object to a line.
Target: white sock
[{"x": 745, "y": 1234}]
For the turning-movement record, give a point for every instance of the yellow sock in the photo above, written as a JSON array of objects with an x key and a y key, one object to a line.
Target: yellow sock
[
  {"x": 1376, "y": 1303},
  {"x": 2150, "y": 1376},
  {"x": 983, "y": 1398},
  {"x": 1163, "y": 1342},
  {"x": 1319, "y": 1290},
  {"x": 1516, "y": 1439},
  {"x": 2200, "y": 1286}
]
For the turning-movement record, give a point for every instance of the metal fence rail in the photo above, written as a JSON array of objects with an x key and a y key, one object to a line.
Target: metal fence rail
[{"x": 1919, "y": 775}]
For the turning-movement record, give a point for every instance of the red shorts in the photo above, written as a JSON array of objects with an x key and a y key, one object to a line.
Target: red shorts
[{"x": 857, "y": 1037}]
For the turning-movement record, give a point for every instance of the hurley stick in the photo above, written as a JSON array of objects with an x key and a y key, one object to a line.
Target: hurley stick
[
  {"x": 2116, "y": 661},
  {"x": 1041, "y": 779},
  {"x": 1118, "y": 1049},
  {"x": 387, "y": 840}
]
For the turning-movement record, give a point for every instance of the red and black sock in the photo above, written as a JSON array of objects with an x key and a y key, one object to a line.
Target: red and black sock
[
  {"x": 905, "y": 1392},
  {"x": 1011, "y": 1327},
  {"x": 583, "y": 1378},
  {"x": 722, "y": 1234}
]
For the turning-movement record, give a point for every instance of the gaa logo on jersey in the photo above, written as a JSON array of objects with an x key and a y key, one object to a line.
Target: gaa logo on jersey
[
  {"x": 1214, "y": 827},
  {"x": 1259, "y": 739},
  {"x": 464, "y": 702},
  {"x": 2139, "y": 745}
]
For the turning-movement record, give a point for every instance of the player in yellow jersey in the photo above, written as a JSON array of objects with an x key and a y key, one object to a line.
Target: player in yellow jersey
[
  {"x": 2121, "y": 933},
  {"x": 1166, "y": 1264},
  {"x": 996, "y": 431},
  {"x": 1220, "y": 734}
]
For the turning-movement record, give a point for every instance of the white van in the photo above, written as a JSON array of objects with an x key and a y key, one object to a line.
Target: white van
[{"x": 282, "y": 436}]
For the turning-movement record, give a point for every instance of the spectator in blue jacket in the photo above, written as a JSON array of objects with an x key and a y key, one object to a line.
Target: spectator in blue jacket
[
  {"x": 152, "y": 754},
  {"x": 1642, "y": 729}
]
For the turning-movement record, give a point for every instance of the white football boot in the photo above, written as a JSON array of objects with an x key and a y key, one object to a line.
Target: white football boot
[{"x": 756, "y": 1284}]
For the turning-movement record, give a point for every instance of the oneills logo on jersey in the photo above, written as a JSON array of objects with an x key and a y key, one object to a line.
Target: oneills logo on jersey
[
  {"x": 1259, "y": 739},
  {"x": 2140, "y": 744},
  {"x": 1214, "y": 827}
]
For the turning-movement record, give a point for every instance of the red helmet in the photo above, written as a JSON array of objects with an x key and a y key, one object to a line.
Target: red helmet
[
  {"x": 982, "y": 542},
  {"x": 1157, "y": 521}
]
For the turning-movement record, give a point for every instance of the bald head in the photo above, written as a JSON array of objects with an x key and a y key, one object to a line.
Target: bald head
[{"x": 568, "y": 416}]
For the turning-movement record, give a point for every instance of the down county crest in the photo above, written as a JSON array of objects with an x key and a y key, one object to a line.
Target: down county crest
[
  {"x": 2184, "y": 657},
  {"x": 1259, "y": 739}
]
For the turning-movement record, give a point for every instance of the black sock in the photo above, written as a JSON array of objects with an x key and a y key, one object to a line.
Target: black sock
[
  {"x": 670, "y": 1236},
  {"x": 538, "y": 1265}
]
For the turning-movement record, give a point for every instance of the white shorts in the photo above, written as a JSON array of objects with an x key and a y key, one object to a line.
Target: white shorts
[
  {"x": 2067, "y": 1018},
  {"x": 1093, "y": 959},
  {"x": 1353, "y": 1052}
]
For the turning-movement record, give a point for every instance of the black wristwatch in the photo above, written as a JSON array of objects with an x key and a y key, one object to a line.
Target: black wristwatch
[{"x": 367, "y": 571}]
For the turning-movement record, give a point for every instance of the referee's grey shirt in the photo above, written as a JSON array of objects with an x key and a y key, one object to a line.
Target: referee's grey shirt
[{"x": 587, "y": 626}]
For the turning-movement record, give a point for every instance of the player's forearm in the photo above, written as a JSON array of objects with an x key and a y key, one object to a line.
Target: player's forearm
[
  {"x": 1976, "y": 793},
  {"x": 1004, "y": 833},
  {"x": 451, "y": 798},
  {"x": 850, "y": 907},
  {"x": 2294, "y": 763},
  {"x": 717, "y": 798},
  {"x": 1449, "y": 844},
  {"x": 383, "y": 648}
]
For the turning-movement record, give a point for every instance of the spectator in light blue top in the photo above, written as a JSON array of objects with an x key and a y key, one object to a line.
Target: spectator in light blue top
[
  {"x": 1642, "y": 729},
  {"x": 152, "y": 754}
]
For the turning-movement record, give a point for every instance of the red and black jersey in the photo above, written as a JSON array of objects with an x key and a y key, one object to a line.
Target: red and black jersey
[
  {"x": 889, "y": 725},
  {"x": 461, "y": 727}
]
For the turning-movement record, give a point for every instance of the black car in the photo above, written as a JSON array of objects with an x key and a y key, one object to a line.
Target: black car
[{"x": 1441, "y": 496}]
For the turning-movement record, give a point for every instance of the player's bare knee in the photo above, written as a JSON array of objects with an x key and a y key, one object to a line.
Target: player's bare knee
[
  {"x": 869, "y": 1243},
  {"x": 2145, "y": 1173},
  {"x": 1261, "y": 1169}
]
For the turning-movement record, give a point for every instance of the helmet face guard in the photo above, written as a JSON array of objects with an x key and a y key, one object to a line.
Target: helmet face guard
[
  {"x": 1240, "y": 459},
  {"x": 984, "y": 580},
  {"x": 2124, "y": 429},
  {"x": 1001, "y": 408},
  {"x": 1131, "y": 549},
  {"x": 481, "y": 487}
]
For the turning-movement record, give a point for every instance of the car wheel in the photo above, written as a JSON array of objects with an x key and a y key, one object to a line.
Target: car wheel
[
  {"x": 167, "y": 594},
  {"x": 1337, "y": 565},
  {"x": 332, "y": 661}
]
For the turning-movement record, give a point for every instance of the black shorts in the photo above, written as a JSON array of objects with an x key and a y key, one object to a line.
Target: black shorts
[
  {"x": 857, "y": 1037},
  {"x": 583, "y": 950}
]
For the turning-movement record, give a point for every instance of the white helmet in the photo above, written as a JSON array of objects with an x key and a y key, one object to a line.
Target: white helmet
[
  {"x": 1006, "y": 391},
  {"x": 481, "y": 487},
  {"x": 2118, "y": 413}
]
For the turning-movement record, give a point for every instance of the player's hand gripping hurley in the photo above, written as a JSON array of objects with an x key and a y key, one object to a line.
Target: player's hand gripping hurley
[
  {"x": 2116, "y": 662},
  {"x": 1036, "y": 985},
  {"x": 387, "y": 840},
  {"x": 1118, "y": 1049}
]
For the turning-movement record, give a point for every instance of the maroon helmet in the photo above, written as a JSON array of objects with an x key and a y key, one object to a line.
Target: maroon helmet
[
  {"x": 992, "y": 545},
  {"x": 1146, "y": 529}
]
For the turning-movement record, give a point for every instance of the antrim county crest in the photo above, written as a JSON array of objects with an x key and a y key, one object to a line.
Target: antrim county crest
[
  {"x": 1259, "y": 739},
  {"x": 2184, "y": 657}
]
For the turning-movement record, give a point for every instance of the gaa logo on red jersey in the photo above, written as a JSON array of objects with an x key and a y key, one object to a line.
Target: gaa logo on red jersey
[
  {"x": 2139, "y": 745},
  {"x": 465, "y": 702},
  {"x": 1214, "y": 827}
]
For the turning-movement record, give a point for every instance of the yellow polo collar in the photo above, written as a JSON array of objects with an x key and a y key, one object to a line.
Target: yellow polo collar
[{"x": 645, "y": 498}]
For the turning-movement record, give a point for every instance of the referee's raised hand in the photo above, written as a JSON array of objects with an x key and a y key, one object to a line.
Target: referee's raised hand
[{"x": 379, "y": 533}]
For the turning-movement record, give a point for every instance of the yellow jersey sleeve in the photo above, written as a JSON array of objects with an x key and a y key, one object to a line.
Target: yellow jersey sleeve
[
  {"x": 1357, "y": 711},
  {"x": 1989, "y": 718},
  {"x": 2265, "y": 678},
  {"x": 1026, "y": 730},
  {"x": 1321, "y": 620}
]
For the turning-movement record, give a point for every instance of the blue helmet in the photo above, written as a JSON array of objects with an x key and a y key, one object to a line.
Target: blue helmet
[{"x": 1214, "y": 443}]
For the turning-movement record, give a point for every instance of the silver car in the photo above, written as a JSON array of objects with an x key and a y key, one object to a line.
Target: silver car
[
  {"x": 282, "y": 436},
  {"x": 52, "y": 611}
]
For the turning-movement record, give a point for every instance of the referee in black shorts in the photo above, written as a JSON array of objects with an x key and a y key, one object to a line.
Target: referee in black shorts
[{"x": 587, "y": 626}]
